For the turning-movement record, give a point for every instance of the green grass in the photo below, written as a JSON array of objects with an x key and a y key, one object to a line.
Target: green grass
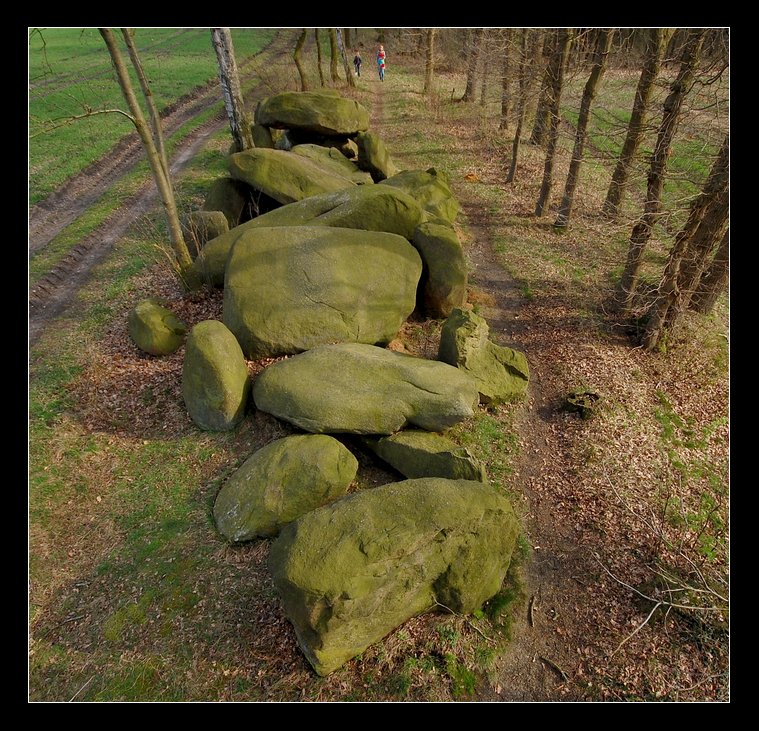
[{"x": 71, "y": 73}]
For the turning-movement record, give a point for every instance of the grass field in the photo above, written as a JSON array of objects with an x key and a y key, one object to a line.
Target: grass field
[
  {"x": 70, "y": 72},
  {"x": 133, "y": 594}
]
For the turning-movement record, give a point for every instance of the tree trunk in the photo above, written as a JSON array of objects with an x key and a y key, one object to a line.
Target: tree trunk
[
  {"x": 601, "y": 53},
  {"x": 506, "y": 36},
  {"x": 641, "y": 233},
  {"x": 655, "y": 47},
  {"x": 319, "y": 56},
  {"x": 524, "y": 78},
  {"x": 714, "y": 279},
  {"x": 474, "y": 57},
  {"x": 543, "y": 112},
  {"x": 333, "y": 73},
  {"x": 184, "y": 260},
  {"x": 155, "y": 119},
  {"x": 484, "y": 69},
  {"x": 346, "y": 66},
  {"x": 239, "y": 121},
  {"x": 556, "y": 66},
  {"x": 705, "y": 225},
  {"x": 299, "y": 61},
  {"x": 429, "y": 66},
  {"x": 347, "y": 38}
]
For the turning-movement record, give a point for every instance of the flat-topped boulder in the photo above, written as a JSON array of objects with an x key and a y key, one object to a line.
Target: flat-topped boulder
[
  {"x": 313, "y": 111},
  {"x": 352, "y": 571},
  {"x": 363, "y": 389},
  {"x": 292, "y": 288},
  {"x": 332, "y": 159},
  {"x": 280, "y": 482},
  {"x": 416, "y": 453},
  {"x": 283, "y": 176}
]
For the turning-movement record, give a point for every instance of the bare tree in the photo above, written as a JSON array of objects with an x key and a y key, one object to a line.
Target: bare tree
[
  {"x": 600, "y": 54},
  {"x": 542, "y": 120},
  {"x": 506, "y": 36},
  {"x": 239, "y": 120},
  {"x": 319, "y": 56},
  {"x": 556, "y": 70},
  {"x": 346, "y": 65},
  {"x": 524, "y": 85},
  {"x": 641, "y": 233},
  {"x": 714, "y": 280},
  {"x": 429, "y": 54},
  {"x": 297, "y": 57},
  {"x": 656, "y": 44},
  {"x": 333, "y": 73},
  {"x": 160, "y": 174},
  {"x": 475, "y": 50},
  {"x": 707, "y": 221}
]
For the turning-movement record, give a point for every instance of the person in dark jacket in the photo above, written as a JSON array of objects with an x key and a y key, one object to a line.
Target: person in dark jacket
[{"x": 357, "y": 63}]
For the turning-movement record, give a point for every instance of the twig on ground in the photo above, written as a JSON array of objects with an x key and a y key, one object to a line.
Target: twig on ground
[
  {"x": 81, "y": 689},
  {"x": 554, "y": 667}
]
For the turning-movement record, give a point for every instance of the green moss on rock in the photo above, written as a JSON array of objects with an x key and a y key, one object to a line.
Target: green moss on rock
[{"x": 154, "y": 329}]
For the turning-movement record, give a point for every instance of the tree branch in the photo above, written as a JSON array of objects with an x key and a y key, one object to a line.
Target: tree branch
[{"x": 64, "y": 121}]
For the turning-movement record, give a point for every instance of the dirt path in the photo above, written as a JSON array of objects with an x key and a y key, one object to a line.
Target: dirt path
[{"x": 53, "y": 292}]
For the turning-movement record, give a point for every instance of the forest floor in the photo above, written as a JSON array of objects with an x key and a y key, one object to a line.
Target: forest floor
[{"x": 133, "y": 596}]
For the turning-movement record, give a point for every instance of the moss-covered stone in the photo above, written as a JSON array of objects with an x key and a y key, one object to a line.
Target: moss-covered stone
[
  {"x": 154, "y": 329},
  {"x": 416, "y": 453},
  {"x": 215, "y": 382},
  {"x": 363, "y": 389},
  {"x": 199, "y": 227},
  {"x": 374, "y": 157},
  {"x": 262, "y": 136},
  {"x": 501, "y": 373},
  {"x": 291, "y": 288},
  {"x": 365, "y": 207},
  {"x": 228, "y": 196},
  {"x": 281, "y": 482},
  {"x": 352, "y": 571},
  {"x": 314, "y": 111},
  {"x": 444, "y": 277},
  {"x": 330, "y": 158},
  {"x": 432, "y": 190},
  {"x": 283, "y": 176}
]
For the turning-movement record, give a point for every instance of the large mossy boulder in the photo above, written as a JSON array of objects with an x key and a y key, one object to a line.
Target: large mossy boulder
[
  {"x": 330, "y": 158},
  {"x": 312, "y": 111},
  {"x": 262, "y": 136},
  {"x": 154, "y": 329},
  {"x": 228, "y": 196},
  {"x": 374, "y": 157},
  {"x": 292, "y": 288},
  {"x": 364, "y": 207},
  {"x": 352, "y": 571},
  {"x": 281, "y": 482},
  {"x": 444, "y": 277},
  {"x": 200, "y": 227},
  {"x": 431, "y": 188},
  {"x": 501, "y": 373},
  {"x": 415, "y": 453},
  {"x": 362, "y": 389},
  {"x": 283, "y": 176},
  {"x": 215, "y": 382}
]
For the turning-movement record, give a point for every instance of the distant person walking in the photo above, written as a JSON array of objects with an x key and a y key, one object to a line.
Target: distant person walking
[
  {"x": 357, "y": 63},
  {"x": 381, "y": 62}
]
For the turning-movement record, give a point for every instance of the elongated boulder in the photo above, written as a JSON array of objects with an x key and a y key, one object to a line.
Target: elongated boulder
[
  {"x": 351, "y": 572},
  {"x": 283, "y": 176},
  {"x": 445, "y": 276},
  {"x": 362, "y": 389},
  {"x": 281, "y": 482},
  {"x": 326, "y": 114},
  {"x": 330, "y": 158},
  {"x": 365, "y": 207},
  {"x": 374, "y": 157},
  {"x": 215, "y": 383},
  {"x": 432, "y": 190},
  {"x": 155, "y": 329},
  {"x": 292, "y": 288},
  {"x": 228, "y": 196},
  {"x": 416, "y": 453},
  {"x": 501, "y": 373}
]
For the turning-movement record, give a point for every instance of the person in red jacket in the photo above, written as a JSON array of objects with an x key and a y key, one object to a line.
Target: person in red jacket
[{"x": 381, "y": 62}]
